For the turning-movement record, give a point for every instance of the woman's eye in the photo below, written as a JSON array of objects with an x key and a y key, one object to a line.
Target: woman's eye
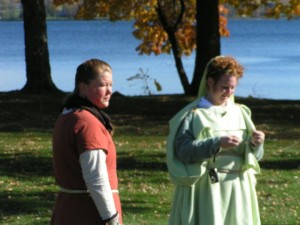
[{"x": 106, "y": 85}]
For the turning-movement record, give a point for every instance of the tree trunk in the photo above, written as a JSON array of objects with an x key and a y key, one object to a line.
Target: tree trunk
[
  {"x": 178, "y": 62},
  {"x": 171, "y": 31},
  {"x": 179, "y": 65},
  {"x": 36, "y": 49},
  {"x": 208, "y": 38}
]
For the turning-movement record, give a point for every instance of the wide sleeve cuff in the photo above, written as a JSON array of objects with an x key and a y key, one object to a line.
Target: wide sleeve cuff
[{"x": 258, "y": 151}]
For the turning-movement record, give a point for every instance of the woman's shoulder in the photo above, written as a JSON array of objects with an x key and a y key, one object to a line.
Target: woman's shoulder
[
  {"x": 81, "y": 117},
  {"x": 244, "y": 108}
]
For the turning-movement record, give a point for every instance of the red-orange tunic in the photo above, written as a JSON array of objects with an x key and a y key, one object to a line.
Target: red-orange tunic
[{"x": 74, "y": 133}]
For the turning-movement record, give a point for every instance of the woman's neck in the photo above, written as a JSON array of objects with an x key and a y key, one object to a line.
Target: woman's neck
[{"x": 214, "y": 102}]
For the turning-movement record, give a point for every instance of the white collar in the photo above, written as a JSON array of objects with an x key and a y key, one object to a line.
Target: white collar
[{"x": 66, "y": 111}]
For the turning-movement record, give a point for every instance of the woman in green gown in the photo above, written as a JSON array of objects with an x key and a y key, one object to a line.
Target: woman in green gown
[{"x": 212, "y": 153}]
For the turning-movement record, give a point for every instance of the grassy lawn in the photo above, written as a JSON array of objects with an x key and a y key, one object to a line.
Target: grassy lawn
[{"x": 27, "y": 189}]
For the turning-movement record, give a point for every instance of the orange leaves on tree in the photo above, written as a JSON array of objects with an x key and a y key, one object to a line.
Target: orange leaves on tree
[
  {"x": 186, "y": 37},
  {"x": 147, "y": 26},
  {"x": 149, "y": 30},
  {"x": 153, "y": 36},
  {"x": 223, "y": 11},
  {"x": 155, "y": 40}
]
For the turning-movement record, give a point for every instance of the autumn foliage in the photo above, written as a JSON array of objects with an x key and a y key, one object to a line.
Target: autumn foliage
[
  {"x": 149, "y": 30},
  {"x": 147, "y": 26}
]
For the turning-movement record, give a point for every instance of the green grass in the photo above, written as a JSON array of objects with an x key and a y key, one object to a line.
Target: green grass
[
  {"x": 27, "y": 189},
  {"x": 26, "y": 183}
]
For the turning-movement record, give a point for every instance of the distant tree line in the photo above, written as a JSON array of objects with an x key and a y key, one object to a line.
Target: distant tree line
[{"x": 12, "y": 10}]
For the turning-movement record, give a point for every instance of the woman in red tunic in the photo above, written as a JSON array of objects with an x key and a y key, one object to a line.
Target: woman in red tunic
[{"x": 84, "y": 154}]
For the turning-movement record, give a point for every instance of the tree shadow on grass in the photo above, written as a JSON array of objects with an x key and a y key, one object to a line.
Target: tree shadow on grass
[
  {"x": 136, "y": 206},
  {"x": 290, "y": 164},
  {"x": 155, "y": 162},
  {"x": 29, "y": 165},
  {"x": 38, "y": 204},
  {"x": 20, "y": 203},
  {"x": 25, "y": 165},
  {"x": 141, "y": 207},
  {"x": 15, "y": 200}
]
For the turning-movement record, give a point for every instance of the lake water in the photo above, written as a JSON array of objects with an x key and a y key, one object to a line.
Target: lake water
[{"x": 269, "y": 50}]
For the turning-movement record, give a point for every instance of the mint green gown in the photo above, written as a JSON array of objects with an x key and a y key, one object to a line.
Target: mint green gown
[{"x": 193, "y": 149}]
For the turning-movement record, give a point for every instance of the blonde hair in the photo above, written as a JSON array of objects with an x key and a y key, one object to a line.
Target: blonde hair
[{"x": 88, "y": 71}]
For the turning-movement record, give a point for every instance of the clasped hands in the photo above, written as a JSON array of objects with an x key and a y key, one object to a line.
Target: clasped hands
[{"x": 231, "y": 141}]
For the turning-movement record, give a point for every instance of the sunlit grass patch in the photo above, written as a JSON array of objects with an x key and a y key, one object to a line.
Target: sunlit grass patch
[{"x": 278, "y": 193}]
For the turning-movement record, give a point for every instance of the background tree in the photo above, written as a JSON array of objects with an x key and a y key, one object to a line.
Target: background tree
[
  {"x": 170, "y": 18},
  {"x": 204, "y": 29},
  {"x": 9, "y": 10},
  {"x": 208, "y": 37},
  {"x": 180, "y": 26},
  {"x": 166, "y": 26},
  {"x": 36, "y": 49},
  {"x": 269, "y": 8}
]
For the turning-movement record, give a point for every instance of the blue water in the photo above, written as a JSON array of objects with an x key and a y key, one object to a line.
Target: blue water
[{"x": 269, "y": 50}]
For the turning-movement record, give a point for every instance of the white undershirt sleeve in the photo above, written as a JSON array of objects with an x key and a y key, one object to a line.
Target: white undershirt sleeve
[{"x": 94, "y": 170}]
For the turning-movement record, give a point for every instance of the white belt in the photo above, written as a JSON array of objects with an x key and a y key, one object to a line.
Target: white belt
[
  {"x": 228, "y": 171},
  {"x": 229, "y": 153},
  {"x": 71, "y": 191}
]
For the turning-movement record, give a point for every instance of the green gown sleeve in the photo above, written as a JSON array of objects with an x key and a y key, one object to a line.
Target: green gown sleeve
[
  {"x": 258, "y": 151},
  {"x": 188, "y": 149}
]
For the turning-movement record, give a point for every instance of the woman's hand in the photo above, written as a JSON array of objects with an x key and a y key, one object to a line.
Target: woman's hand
[
  {"x": 257, "y": 138},
  {"x": 229, "y": 141}
]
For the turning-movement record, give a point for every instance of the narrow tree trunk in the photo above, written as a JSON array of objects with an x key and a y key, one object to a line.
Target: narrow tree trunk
[
  {"x": 171, "y": 30},
  {"x": 208, "y": 38},
  {"x": 36, "y": 49},
  {"x": 179, "y": 65}
]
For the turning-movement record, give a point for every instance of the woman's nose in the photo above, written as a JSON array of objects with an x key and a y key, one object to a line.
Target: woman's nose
[{"x": 109, "y": 89}]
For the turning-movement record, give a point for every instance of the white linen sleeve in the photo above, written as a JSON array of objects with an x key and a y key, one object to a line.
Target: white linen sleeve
[{"x": 94, "y": 170}]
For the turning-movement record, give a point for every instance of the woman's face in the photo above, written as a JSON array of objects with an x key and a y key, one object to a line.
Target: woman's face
[
  {"x": 220, "y": 92},
  {"x": 99, "y": 90}
]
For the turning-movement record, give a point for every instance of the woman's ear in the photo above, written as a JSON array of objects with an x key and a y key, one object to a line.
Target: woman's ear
[{"x": 210, "y": 83}]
